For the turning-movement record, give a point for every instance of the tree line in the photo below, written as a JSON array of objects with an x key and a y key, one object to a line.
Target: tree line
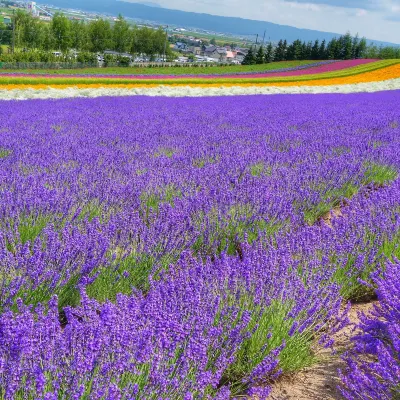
[
  {"x": 346, "y": 47},
  {"x": 63, "y": 35},
  {"x": 39, "y": 39}
]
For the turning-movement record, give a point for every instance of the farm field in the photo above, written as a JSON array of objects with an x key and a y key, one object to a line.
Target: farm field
[
  {"x": 306, "y": 69},
  {"x": 210, "y": 69},
  {"x": 198, "y": 248},
  {"x": 322, "y": 72},
  {"x": 325, "y": 77}
]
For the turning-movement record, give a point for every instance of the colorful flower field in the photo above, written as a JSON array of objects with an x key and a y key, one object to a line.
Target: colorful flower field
[
  {"x": 307, "y": 69},
  {"x": 323, "y": 77},
  {"x": 292, "y": 70},
  {"x": 199, "y": 248}
]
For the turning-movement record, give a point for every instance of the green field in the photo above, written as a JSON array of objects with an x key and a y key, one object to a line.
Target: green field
[
  {"x": 7, "y": 11},
  {"x": 220, "y": 40},
  {"x": 214, "y": 69}
]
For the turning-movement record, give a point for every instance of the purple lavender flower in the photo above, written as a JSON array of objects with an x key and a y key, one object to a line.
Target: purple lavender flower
[{"x": 163, "y": 248}]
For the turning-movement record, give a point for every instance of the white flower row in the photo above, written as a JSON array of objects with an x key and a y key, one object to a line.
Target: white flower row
[{"x": 187, "y": 91}]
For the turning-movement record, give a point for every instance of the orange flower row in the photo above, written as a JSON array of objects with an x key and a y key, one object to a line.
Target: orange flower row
[{"x": 379, "y": 75}]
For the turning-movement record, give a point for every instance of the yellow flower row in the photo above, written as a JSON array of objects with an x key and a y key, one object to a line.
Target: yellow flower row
[{"x": 383, "y": 74}]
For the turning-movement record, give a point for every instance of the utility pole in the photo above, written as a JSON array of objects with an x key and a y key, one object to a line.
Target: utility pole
[
  {"x": 257, "y": 40},
  {"x": 165, "y": 44},
  {"x": 13, "y": 34}
]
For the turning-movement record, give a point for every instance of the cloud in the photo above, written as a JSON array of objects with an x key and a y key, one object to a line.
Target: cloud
[
  {"x": 384, "y": 10},
  {"x": 394, "y": 18},
  {"x": 362, "y": 4},
  {"x": 374, "y": 19},
  {"x": 361, "y": 13},
  {"x": 304, "y": 6}
]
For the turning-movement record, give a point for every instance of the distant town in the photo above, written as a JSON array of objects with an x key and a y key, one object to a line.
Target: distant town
[
  {"x": 190, "y": 45},
  {"x": 35, "y": 32}
]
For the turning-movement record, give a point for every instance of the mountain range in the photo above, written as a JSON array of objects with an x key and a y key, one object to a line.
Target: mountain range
[{"x": 150, "y": 11}]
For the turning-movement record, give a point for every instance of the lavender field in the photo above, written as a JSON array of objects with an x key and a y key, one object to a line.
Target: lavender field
[{"x": 197, "y": 248}]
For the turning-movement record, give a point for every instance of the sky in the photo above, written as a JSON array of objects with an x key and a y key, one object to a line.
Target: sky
[{"x": 374, "y": 19}]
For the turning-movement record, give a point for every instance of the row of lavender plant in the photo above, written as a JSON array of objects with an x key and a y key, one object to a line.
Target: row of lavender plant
[
  {"x": 185, "y": 243},
  {"x": 374, "y": 362}
]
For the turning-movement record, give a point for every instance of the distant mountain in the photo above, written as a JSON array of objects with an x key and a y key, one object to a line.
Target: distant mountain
[
  {"x": 233, "y": 25},
  {"x": 145, "y": 3}
]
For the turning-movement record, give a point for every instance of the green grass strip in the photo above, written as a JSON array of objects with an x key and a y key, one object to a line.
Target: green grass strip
[{"x": 213, "y": 69}]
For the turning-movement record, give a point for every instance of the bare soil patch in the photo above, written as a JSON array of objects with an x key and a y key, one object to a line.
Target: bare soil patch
[{"x": 320, "y": 381}]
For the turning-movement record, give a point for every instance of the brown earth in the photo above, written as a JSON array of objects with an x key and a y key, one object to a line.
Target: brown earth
[
  {"x": 320, "y": 381},
  {"x": 328, "y": 217}
]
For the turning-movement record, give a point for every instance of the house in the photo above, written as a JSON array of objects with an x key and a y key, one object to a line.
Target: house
[
  {"x": 209, "y": 49},
  {"x": 230, "y": 56},
  {"x": 180, "y": 46},
  {"x": 194, "y": 50},
  {"x": 240, "y": 55},
  {"x": 7, "y": 20},
  {"x": 216, "y": 53}
]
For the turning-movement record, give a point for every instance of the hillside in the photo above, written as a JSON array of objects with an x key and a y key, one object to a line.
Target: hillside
[{"x": 233, "y": 25}]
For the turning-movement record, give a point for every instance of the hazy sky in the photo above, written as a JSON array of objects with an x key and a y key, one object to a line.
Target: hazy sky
[{"x": 375, "y": 19}]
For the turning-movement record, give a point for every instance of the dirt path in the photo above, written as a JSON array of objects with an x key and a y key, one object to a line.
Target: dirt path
[{"x": 320, "y": 381}]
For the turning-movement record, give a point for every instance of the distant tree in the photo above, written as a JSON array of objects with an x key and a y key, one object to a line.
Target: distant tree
[
  {"x": 79, "y": 35},
  {"x": 121, "y": 35},
  {"x": 303, "y": 51},
  {"x": 269, "y": 53},
  {"x": 354, "y": 46},
  {"x": 61, "y": 30},
  {"x": 249, "y": 59},
  {"x": 372, "y": 51},
  {"x": 149, "y": 42},
  {"x": 48, "y": 39},
  {"x": 260, "y": 55},
  {"x": 5, "y": 34},
  {"x": 284, "y": 49},
  {"x": 315, "y": 50},
  {"x": 331, "y": 49},
  {"x": 31, "y": 32},
  {"x": 159, "y": 38},
  {"x": 309, "y": 50},
  {"x": 347, "y": 46},
  {"x": 213, "y": 42},
  {"x": 100, "y": 35},
  {"x": 136, "y": 45},
  {"x": 87, "y": 58},
  {"x": 294, "y": 51},
  {"x": 322, "y": 51},
  {"x": 290, "y": 52},
  {"x": 279, "y": 51},
  {"x": 361, "y": 48},
  {"x": 388, "y": 52}
]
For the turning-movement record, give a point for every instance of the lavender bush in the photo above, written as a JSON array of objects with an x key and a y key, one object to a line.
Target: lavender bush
[
  {"x": 169, "y": 248},
  {"x": 374, "y": 363}
]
